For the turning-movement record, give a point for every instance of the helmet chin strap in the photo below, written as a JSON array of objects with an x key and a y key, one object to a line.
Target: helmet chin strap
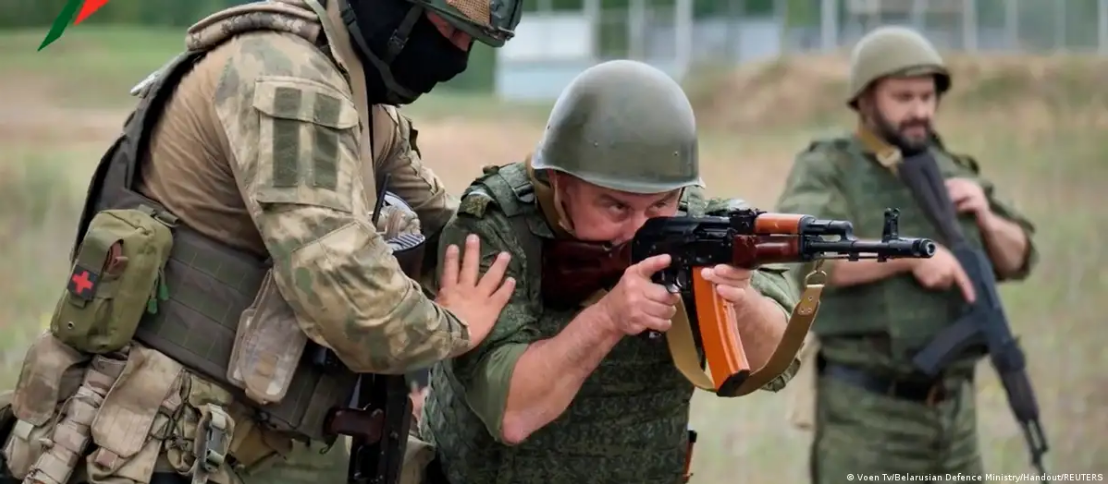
[{"x": 395, "y": 93}]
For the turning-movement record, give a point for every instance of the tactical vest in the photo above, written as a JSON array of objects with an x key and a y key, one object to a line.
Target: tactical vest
[
  {"x": 897, "y": 306},
  {"x": 627, "y": 422},
  {"x": 210, "y": 284}
]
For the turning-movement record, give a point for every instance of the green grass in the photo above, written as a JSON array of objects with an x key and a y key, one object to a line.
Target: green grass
[
  {"x": 90, "y": 66},
  {"x": 1051, "y": 161},
  {"x": 40, "y": 192}
]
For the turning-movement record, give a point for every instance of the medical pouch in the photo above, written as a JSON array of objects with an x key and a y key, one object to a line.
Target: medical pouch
[{"x": 118, "y": 274}]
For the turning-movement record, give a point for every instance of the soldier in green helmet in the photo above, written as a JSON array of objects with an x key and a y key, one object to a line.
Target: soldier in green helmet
[
  {"x": 876, "y": 415},
  {"x": 570, "y": 395}
]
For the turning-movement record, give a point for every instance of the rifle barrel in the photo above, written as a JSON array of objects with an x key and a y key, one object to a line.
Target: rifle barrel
[{"x": 895, "y": 248}]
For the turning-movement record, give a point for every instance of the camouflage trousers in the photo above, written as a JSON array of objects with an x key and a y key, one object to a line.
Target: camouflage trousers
[{"x": 860, "y": 432}]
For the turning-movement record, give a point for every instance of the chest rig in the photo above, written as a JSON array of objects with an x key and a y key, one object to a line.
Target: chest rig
[
  {"x": 210, "y": 284},
  {"x": 898, "y": 307}
]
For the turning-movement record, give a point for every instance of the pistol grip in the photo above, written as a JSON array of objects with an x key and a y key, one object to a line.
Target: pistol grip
[{"x": 671, "y": 280}]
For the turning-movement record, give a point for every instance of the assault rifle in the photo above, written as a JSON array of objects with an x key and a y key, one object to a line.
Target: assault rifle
[
  {"x": 983, "y": 328},
  {"x": 573, "y": 271}
]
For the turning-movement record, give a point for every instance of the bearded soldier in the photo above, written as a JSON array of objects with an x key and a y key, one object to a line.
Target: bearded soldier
[
  {"x": 570, "y": 395},
  {"x": 875, "y": 413},
  {"x": 226, "y": 238}
]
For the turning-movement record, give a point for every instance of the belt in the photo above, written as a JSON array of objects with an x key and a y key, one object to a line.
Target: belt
[{"x": 926, "y": 391}]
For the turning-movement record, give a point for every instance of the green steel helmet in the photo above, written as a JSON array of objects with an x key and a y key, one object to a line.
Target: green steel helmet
[
  {"x": 894, "y": 51},
  {"x": 492, "y": 22},
  {"x": 622, "y": 125}
]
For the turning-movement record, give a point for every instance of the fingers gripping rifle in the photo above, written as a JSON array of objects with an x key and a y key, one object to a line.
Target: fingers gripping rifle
[{"x": 983, "y": 324}]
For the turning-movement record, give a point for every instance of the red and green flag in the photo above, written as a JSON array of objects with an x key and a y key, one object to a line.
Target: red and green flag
[{"x": 76, "y": 11}]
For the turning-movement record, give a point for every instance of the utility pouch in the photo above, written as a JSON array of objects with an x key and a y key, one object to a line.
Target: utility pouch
[
  {"x": 117, "y": 275},
  {"x": 268, "y": 346}
]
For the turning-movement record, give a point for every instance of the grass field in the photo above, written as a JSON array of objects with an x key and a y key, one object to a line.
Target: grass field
[{"x": 1036, "y": 125}]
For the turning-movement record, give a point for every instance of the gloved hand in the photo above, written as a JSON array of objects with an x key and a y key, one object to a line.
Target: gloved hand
[{"x": 395, "y": 221}]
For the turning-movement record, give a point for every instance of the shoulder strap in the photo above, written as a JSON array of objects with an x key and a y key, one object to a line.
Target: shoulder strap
[
  {"x": 509, "y": 188},
  {"x": 115, "y": 174}
]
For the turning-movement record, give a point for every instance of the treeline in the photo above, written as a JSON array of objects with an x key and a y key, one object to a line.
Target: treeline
[{"x": 178, "y": 13}]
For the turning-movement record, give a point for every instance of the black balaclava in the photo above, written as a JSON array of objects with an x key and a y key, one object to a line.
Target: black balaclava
[{"x": 406, "y": 47}]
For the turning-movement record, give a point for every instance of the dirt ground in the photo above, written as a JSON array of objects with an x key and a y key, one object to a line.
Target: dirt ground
[{"x": 1037, "y": 125}]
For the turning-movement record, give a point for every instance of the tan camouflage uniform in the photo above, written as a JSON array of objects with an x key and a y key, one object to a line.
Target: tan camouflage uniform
[{"x": 266, "y": 146}]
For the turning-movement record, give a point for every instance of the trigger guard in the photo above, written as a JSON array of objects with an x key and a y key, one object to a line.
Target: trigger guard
[{"x": 673, "y": 285}]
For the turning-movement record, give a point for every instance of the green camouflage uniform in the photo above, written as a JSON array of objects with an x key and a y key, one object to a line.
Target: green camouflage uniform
[
  {"x": 628, "y": 421},
  {"x": 876, "y": 327},
  {"x": 875, "y": 415}
]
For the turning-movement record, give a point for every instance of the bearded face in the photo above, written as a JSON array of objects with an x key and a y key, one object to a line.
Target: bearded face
[{"x": 901, "y": 110}]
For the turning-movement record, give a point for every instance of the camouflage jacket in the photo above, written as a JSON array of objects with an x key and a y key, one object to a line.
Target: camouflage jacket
[
  {"x": 259, "y": 143},
  {"x": 842, "y": 178},
  {"x": 628, "y": 421},
  {"x": 294, "y": 156}
]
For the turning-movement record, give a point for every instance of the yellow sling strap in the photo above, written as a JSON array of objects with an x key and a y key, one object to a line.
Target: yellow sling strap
[
  {"x": 683, "y": 348},
  {"x": 684, "y": 351}
]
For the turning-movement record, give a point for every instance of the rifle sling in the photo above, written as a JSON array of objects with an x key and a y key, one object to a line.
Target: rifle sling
[{"x": 683, "y": 346}]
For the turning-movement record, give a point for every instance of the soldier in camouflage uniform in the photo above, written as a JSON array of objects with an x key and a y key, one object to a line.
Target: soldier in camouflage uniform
[
  {"x": 255, "y": 154},
  {"x": 874, "y": 413},
  {"x": 559, "y": 395}
]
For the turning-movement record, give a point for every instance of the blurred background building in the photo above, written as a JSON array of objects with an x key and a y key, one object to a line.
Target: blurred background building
[{"x": 559, "y": 38}]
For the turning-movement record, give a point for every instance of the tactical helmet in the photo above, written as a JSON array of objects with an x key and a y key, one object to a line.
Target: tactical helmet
[
  {"x": 894, "y": 51},
  {"x": 623, "y": 125},
  {"x": 488, "y": 21}
]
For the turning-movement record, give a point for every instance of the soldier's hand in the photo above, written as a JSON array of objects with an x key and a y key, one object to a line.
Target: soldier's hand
[
  {"x": 637, "y": 304},
  {"x": 968, "y": 196},
  {"x": 395, "y": 221},
  {"x": 477, "y": 301},
  {"x": 941, "y": 271},
  {"x": 733, "y": 284}
]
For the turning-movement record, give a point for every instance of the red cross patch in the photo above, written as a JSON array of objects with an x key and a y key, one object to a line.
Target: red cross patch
[{"x": 82, "y": 283}]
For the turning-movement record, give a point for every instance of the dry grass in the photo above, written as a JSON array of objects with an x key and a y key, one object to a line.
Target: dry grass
[{"x": 1037, "y": 125}]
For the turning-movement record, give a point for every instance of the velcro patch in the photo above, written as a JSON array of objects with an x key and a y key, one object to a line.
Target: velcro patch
[
  {"x": 82, "y": 283},
  {"x": 302, "y": 142},
  {"x": 475, "y": 203}
]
